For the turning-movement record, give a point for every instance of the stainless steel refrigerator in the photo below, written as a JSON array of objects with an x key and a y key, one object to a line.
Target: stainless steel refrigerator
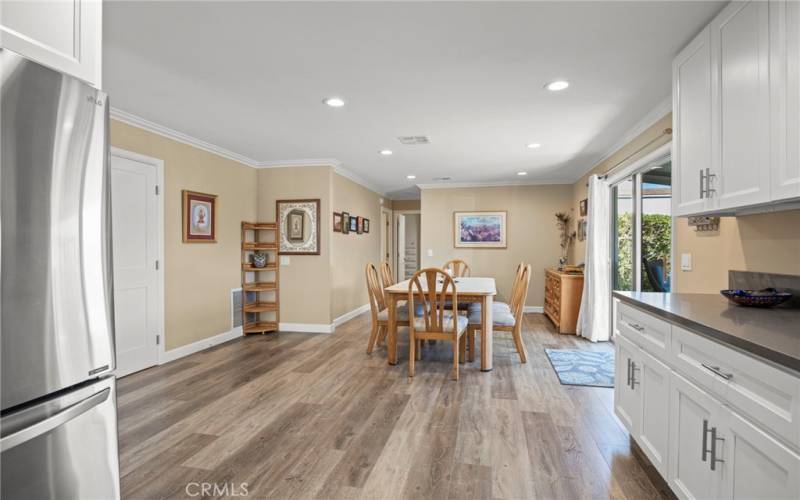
[{"x": 58, "y": 426}]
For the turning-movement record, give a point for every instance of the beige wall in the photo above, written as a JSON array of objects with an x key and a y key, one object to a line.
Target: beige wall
[
  {"x": 198, "y": 277},
  {"x": 764, "y": 242},
  {"x": 643, "y": 144},
  {"x": 351, "y": 252},
  {"x": 405, "y": 204},
  {"x": 532, "y": 233},
  {"x": 305, "y": 283}
]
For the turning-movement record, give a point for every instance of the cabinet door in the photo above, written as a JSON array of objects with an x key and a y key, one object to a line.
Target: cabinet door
[
  {"x": 741, "y": 103},
  {"x": 785, "y": 95},
  {"x": 65, "y": 35},
  {"x": 652, "y": 382},
  {"x": 626, "y": 396},
  {"x": 692, "y": 413},
  {"x": 691, "y": 123},
  {"x": 757, "y": 466}
]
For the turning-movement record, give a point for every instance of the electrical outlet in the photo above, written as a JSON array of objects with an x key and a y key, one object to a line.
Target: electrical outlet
[
  {"x": 430, "y": 252},
  {"x": 686, "y": 262},
  {"x": 285, "y": 260}
]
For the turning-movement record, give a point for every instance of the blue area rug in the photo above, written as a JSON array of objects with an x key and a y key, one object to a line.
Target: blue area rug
[{"x": 577, "y": 367}]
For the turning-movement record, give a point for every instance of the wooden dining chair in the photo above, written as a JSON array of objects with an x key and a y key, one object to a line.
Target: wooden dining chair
[
  {"x": 505, "y": 317},
  {"x": 378, "y": 309},
  {"x": 458, "y": 267},
  {"x": 435, "y": 322},
  {"x": 387, "y": 277}
]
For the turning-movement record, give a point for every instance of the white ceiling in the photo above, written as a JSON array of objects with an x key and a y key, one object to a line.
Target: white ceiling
[{"x": 250, "y": 77}]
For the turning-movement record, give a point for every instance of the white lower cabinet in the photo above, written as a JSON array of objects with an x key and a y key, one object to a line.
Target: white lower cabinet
[
  {"x": 694, "y": 421},
  {"x": 700, "y": 433}
]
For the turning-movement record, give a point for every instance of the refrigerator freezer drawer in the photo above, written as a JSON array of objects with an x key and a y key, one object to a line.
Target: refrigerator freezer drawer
[
  {"x": 57, "y": 319},
  {"x": 62, "y": 448}
]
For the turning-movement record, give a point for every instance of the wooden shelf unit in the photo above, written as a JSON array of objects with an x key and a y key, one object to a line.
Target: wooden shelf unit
[{"x": 262, "y": 284}]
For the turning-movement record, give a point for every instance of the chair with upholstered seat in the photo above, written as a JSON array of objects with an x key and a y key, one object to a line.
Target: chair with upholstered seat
[
  {"x": 387, "y": 277},
  {"x": 378, "y": 309},
  {"x": 457, "y": 267},
  {"x": 428, "y": 288},
  {"x": 505, "y": 317}
]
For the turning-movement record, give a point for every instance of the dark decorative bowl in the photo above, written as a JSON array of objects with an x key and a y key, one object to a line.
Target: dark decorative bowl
[{"x": 767, "y": 297}]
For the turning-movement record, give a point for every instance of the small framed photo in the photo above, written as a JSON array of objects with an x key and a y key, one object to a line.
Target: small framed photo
[
  {"x": 199, "y": 217},
  {"x": 581, "y": 229},
  {"x": 359, "y": 224},
  {"x": 295, "y": 225},
  {"x": 353, "y": 224},
  {"x": 337, "y": 222},
  {"x": 345, "y": 222},
  {"x": 366, "y": 225},
  {"x": 584, "y": 207}
]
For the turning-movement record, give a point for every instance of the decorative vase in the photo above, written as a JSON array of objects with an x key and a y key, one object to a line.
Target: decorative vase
[{"x": 259, "y": 259}]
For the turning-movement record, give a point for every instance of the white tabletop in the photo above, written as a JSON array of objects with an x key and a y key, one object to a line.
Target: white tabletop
[{"x": 464, "y": 286}]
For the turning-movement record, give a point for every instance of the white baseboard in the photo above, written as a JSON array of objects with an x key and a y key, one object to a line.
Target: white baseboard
[
  {"x": 533, "y": 309},
  {"x": 350, "y": 315},
  {"x": 306, "y": 327},
  {"x": 200, "y": 345}
]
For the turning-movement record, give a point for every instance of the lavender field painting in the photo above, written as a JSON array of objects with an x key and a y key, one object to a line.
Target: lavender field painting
[{"x": 480, "y": 229}]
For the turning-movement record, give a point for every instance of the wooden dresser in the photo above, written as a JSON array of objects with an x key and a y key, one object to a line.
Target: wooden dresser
[{"x": 562, "y": 299}]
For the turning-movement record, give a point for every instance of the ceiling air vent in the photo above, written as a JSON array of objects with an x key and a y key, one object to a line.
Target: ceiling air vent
[
  {"x": 410, "y": 140},
  {"x": 442, "y": 178}
]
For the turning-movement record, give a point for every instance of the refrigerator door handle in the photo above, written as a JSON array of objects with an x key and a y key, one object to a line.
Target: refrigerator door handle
[{"x": 53, "y": 421}]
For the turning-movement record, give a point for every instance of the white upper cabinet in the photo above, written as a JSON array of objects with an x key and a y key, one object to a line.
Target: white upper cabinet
[
  {"x": 740, "y": 100},
  {"x": 65, "y": 35},
  {"x": 785, "y": 91},
  {"x": 691, "y": 104},
  {"x": 736, "y": 120}
]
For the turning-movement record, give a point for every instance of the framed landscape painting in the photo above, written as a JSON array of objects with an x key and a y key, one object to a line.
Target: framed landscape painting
[{"x": 480, "y": 229}]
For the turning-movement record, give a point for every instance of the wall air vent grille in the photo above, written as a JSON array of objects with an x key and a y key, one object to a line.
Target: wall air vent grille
[{"x": 410, "y": 140}]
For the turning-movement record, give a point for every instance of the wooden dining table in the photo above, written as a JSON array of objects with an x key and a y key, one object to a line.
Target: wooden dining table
[{"x": 480, "y": 290}]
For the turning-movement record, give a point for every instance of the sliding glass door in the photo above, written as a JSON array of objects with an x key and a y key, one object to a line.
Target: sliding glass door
[{"x": 642, "y": 226}]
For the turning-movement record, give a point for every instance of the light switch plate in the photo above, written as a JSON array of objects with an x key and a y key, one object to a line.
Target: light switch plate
[
  {"x": 285, "y": 260},
  {"x": 430, "y": 252},
  {"x": 686, "y": 262}
]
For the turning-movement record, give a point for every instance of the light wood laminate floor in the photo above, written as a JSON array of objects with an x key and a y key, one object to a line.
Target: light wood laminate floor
[{"x": 298, "y": 415}]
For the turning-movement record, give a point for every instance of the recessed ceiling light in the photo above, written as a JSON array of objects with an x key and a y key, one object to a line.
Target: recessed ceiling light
[
  {"x": 334, "y": 102},
  {"x": 522, "y": 173},
  {"x": 534, "y": 145},
  {"x": 557, "y": 85},
  {"x": 411, "y": 177},
  {"x": 386, "y": 152}
]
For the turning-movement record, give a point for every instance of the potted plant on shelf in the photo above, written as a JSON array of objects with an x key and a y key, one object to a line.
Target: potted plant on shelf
[{"x": 563, "y": 222}]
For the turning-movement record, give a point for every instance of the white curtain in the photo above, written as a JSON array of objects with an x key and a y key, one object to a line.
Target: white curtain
[{"x": 594, "y": 320}]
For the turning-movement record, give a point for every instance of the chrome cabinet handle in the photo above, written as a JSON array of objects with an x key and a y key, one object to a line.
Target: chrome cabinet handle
[
  {"x": 709, "y": 176},
  {"x": 701, "y": 184},
  {"x": 636, "y": 326},
  {"x": 717, "y": 371},
  {"x": 628, "y": 383},
  {"x": 714, "y": 440},
  {"x": 706, "y": 430},
  {"x": 633, "y": 375}
]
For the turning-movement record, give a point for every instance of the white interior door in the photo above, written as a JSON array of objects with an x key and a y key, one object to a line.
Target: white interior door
[
  {"x": 136, "y": 268},
  {"x": 401, "y": 245}
]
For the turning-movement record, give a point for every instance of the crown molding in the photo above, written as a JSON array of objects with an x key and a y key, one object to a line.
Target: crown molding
[
  {"x": 456, "y": 185},
  {"x": 142, "y": 123},
  {"x": 307, "y": 162},
  {"x": 658, "y": 112}
]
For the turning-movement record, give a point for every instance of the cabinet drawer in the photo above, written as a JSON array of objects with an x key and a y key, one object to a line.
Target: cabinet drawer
[
  {"x": 768, "y": 395},
  {"x": 651, "y": 333}
]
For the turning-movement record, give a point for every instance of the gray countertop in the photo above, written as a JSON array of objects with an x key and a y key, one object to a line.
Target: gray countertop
[{"x": 773, "y": 334}]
